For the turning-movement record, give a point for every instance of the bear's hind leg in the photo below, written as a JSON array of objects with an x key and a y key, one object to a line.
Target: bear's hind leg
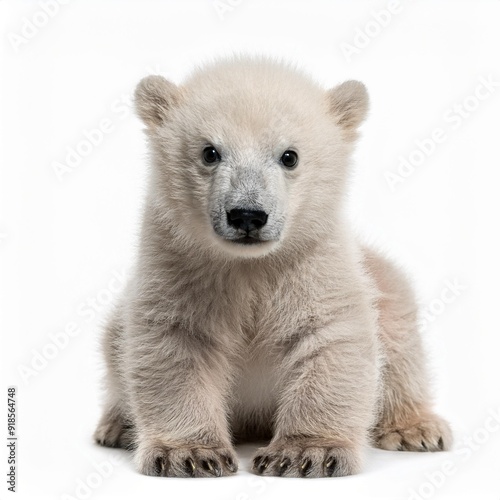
[
  {"x": 406, "y": 422},
  {"x": 114, "y": 430}
]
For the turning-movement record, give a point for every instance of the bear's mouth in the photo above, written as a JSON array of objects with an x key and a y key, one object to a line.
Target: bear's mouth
[{"x": 247, "y": 240}]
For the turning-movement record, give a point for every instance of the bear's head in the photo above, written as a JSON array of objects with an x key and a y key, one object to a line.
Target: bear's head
[{"x": 249, "y": 156}]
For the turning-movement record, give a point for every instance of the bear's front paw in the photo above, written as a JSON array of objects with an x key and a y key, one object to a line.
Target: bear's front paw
[
  {"x": 306, "y": 458},
  {"x": 430, "y": 433},
  {"x": 188, "y": 461}
]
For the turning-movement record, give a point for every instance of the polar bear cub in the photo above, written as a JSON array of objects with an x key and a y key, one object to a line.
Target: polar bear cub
[{"x": 253, "y": 312}]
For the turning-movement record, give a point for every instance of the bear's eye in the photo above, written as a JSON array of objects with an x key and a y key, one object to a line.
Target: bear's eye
[
  {"x": 210, "y": 155},
  {"x": 290, "y": 159}
]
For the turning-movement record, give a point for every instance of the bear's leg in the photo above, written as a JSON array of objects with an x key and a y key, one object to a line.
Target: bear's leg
[
  {"x": 178, "y": 383},
  {"x": 407, "y": 421},
  {"x": 114, "y": 428},
  {"x": 326, "y": 400}
]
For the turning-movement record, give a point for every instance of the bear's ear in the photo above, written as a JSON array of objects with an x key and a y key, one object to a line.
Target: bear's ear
[
  {"x": 348, "y": 103},
  {"x": 154, "y": 97}
]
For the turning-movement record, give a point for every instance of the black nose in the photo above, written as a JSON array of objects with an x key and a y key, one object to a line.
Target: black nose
[{"x": 246, "y": 220}]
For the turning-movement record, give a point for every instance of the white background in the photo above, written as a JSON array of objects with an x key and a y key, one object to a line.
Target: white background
[{"x": 66, "y": 242}]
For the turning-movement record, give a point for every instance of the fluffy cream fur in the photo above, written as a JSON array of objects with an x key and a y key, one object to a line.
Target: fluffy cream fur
[{"x": 305, "y": 337}]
